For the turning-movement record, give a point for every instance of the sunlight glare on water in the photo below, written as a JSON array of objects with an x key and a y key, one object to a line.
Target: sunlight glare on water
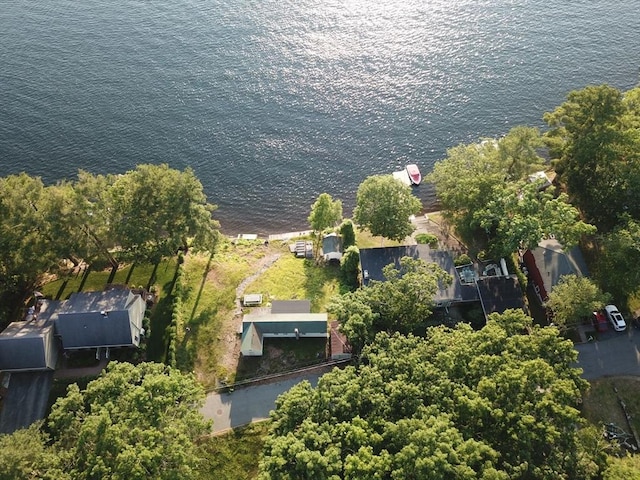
[{"x": 274, "y": 102}]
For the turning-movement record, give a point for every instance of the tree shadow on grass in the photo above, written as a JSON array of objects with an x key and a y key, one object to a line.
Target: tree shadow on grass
[
  {"x": 197, "y": 331},
  {"x": 160, "y": 320}
]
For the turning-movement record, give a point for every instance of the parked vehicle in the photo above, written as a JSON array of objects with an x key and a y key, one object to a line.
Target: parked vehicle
[
  {"x": 599, "y": 321},
  {"x": 616, "y": 318}
]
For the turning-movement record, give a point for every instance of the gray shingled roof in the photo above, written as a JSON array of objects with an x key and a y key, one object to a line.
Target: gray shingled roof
[
  {"x": 30, "y": 345},
  {"x": 101, "y": 319},
  {"x": 373, "y": 260}
]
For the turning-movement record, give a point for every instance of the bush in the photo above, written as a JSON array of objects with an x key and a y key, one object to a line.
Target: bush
[
  {"x": 348, "y": 234},
  {"x": 427, "y": 239},
  {"x": 350, "y": 267},
  {"x": 463, "y": 259}
]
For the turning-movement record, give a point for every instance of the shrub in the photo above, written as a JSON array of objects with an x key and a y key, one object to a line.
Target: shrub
[
  {"x": 348, "y": 234},
  {"x": 350, "y": 266},
  {"x": 463, "y": 259},
  {"x": 427, "y": 239}
]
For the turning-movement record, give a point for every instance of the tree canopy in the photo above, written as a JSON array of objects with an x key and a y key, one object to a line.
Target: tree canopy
[
  {"x": 325, "y": 213},
  {"x": 147, "y": 213},
  {"x": 595, "y": 134},
  {"x": 484, "y": 189},
  {"x": 155, "y": 210},
  {"x": 402, "y": 303},
  {"x": 618, "y": 258},
  {"x": 573, "y": 299},
  {"x": 133, "y": 422},
  {"x": 498, "y": 403},
  {"x": 384, "y": 206}
]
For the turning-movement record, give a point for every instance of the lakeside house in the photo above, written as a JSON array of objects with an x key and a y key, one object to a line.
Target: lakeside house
[
  {"x": 547, "y": 263},
  {"x": 489, "y": 284},
  {"x": 29, "y": 349},
  {"x": 285, "y": 319}
]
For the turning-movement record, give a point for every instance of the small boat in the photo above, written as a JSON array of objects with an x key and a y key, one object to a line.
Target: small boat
[{"x": 414, "y": 174}]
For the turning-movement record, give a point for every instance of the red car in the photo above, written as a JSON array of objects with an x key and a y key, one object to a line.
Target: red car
[{"x": 599, "y": 321}]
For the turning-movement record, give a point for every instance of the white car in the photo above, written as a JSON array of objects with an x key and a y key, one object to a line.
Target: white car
[{"x": 615, "y": 317}]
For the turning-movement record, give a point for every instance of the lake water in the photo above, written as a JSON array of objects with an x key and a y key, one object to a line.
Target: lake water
[{"x": 274, "y": 102}]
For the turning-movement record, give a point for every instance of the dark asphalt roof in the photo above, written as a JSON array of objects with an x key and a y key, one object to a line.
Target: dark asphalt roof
[
  {"x": 498, "y": 294},
  {"x": 373, "y": 260},
  {"x": 26, "y": 400}
]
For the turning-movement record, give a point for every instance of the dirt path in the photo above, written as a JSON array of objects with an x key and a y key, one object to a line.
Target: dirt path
[{"x": 263, "y": 265}]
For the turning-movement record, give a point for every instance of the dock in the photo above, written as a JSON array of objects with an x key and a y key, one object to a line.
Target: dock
[
  {"x": 402, "y": 176},
  {"x": 289, "y": 235}
]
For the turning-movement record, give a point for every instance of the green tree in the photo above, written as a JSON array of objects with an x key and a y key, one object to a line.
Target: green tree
[
  {"x": 573, "y": 299},
  {"x": 402, "y": 303},
  {"x": 496, "y": 403},
  {"x": 25, "y": 238},
  {"x": 484, "y": 191},
  {"x": 24, "y": 455},
  {"x": 133, "y": 422},
  {"x": 519, "y": 216},
  {"x": 618, "y": 258},
  {"x": 623, "y": 468},
  {"x": 325, "y": 213},
  {"x": 156, "y": 210},
  {"x": 350, "y": 266},
  {"x": 384, "y": 207},
  {"x": 595, "y": 135},
  {"x": 347, "y": 234}
]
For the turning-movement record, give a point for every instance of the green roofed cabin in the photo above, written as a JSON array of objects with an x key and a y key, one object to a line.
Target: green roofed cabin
[{"x": 287, "y": 319}]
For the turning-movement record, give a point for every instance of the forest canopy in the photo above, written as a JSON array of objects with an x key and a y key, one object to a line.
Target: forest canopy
[{"x": 498, "y": 403}]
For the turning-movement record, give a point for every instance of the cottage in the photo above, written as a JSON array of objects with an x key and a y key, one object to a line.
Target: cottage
[
  {"x": 110, "y": 318},
  {"x": 550, "y": 261},
  {"x": 287, "y": 319}
]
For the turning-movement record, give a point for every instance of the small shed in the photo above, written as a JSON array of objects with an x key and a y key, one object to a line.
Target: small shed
[{"x": 331, "y": 247}]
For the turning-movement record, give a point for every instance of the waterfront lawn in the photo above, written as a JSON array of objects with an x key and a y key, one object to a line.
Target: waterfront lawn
[
  {"x": 364, "y": 239},
  {"x": 208, "y": 340},
  {"x": 292, "y": 278},
  {"x": 207, "y": 333},
  {"x": 97, "y": 280}
]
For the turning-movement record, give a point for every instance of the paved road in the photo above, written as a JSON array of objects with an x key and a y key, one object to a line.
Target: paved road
[
  {"x": 249, "y": 404},
  {"x": 614, "y": 353}
]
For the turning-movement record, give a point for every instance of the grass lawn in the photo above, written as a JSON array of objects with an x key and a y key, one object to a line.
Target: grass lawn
[
  {"x": 292, "y": 278},
  {"x": 210, "y": 323},
  {"x": 364, "y": 239},
  {"x": 234, "y": 456},
  {"x": 601, "y": 405},
  {"x": 97, "y": 280}
]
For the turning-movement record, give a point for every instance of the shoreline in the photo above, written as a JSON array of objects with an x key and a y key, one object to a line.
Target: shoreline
[{"x": 293, "y": 232}]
